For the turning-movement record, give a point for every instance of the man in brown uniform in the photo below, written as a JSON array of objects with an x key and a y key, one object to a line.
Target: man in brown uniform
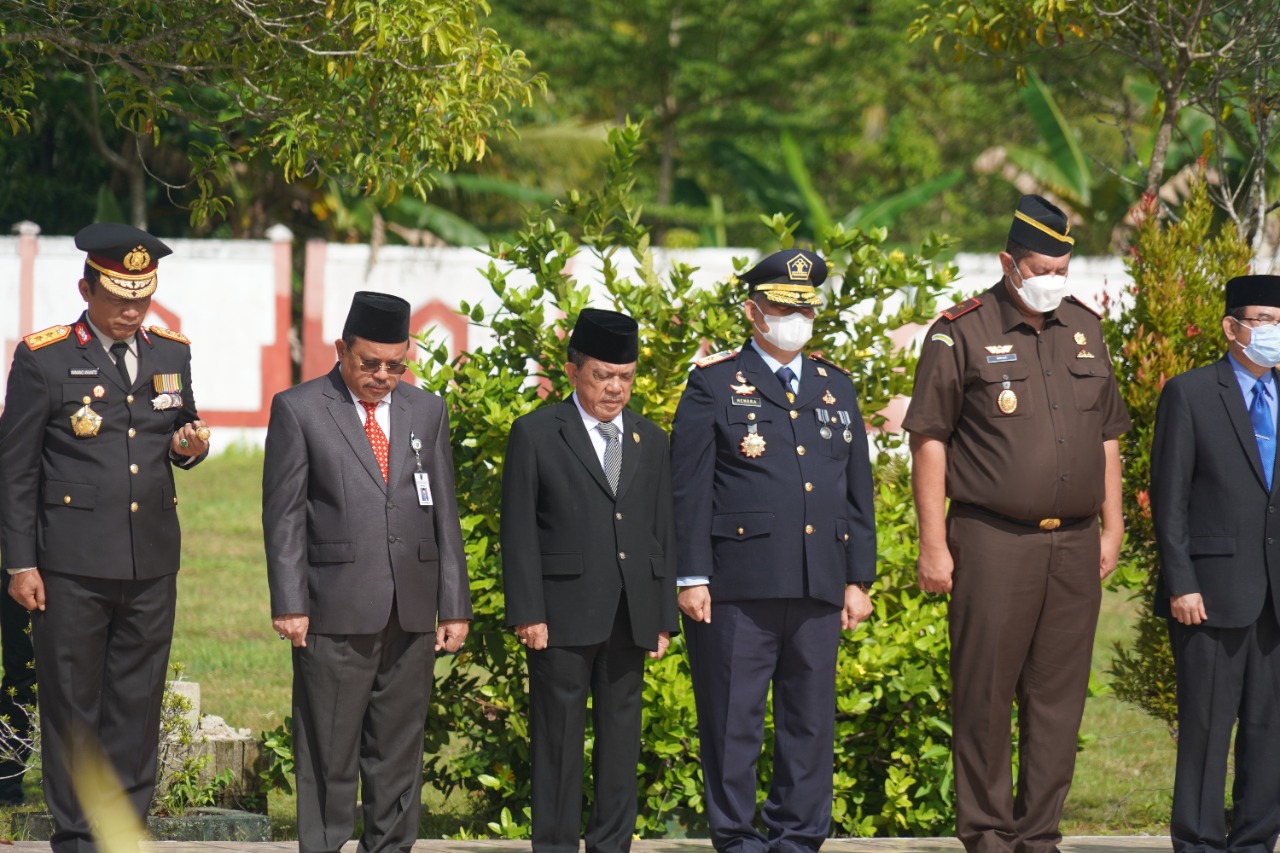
[{"x": 1015, "y": 417}]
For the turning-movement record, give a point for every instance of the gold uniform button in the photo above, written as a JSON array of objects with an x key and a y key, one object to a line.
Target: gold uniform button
[
  {"x": 808, "y": 487},
  {"x": 751, "y": 416},
  {"x": 175, "y": 503},
  {"x": 132, "y": 432},
  {"x": 133, "y": 507},
  {"x": 66, "y": 499},
  {"x": 618, "y": 516},
  {"x": 741, "y": 531},
  {"x": 808, "y": 528},
  {"x": 129, "y": 399},
  {"x": 794, "y": 414},
  {"x": 622, "y": 555},
  {"x": 133, "y": 469},
  {"x": 800, "y": 449},
  {"x": 846, "y": 536}
]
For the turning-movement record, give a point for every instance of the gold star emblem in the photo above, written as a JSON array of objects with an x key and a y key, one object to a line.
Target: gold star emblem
[{"x": 1080, "y": 339}]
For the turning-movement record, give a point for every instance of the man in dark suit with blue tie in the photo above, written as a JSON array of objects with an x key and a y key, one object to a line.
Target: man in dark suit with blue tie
[
  {"x": 775, "y": 526},
  {"x": 588, "y": 573},
  {"x": 1214, "y": 505}
]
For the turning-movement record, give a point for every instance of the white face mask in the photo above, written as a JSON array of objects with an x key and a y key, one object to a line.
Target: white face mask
[
  {"x": 1042, "y": 293},
  {"x": 788, "y": 333}
]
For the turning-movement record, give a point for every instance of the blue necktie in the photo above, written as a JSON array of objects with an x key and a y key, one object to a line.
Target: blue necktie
[
  {"x": 1264, "y": 428},
  {"x": 786, "y": 376}
]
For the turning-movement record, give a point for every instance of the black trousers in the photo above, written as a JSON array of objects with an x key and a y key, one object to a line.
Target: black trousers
[
  {"x": 359, "y": 710},
  {"x": 560, "y": 678},
  {"x": 102, "y": 652},
  {"x": 17, "y": 691},
  {"x": 791, "y": 644},
  {"x": 1225, "y": 675}
]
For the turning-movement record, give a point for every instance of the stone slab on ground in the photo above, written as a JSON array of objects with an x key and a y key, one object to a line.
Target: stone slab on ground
[{"x": 1075, "y": 844}]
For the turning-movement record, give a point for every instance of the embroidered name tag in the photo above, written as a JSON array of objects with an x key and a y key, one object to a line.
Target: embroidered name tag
[
  {"x": 746, "y": 401},
  {"x": 77, "y": 372},
  {"x": 996, "y": 359}
]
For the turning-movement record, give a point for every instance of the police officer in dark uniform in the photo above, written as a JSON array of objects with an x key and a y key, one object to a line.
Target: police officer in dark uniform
[
  {"x": 97, "y": 414},
  {"x": 1016, "y": 418},
  {"x": 776, "y": 538}
]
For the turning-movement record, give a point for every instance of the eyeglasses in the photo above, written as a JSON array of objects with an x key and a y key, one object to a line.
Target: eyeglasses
[
  {"x": 1256, "y": 322},
  {"x": 395, "y": 368}
]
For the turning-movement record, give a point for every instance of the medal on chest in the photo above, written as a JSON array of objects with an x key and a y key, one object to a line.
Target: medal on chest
[
  {"x": 85, "y": 423},
  {"x": 823, "y": 417},
  {"x": 1007, "y": 401},
  {"x": 752, "y": 443}
]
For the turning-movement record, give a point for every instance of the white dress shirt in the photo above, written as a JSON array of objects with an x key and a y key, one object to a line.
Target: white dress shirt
[
  {"x": 130, "y": 356},
  {"x": 598, "y": 442},
  {"x": 382, "y": 414}
]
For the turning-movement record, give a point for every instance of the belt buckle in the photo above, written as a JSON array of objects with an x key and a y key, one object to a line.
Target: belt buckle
[{"x": 1050, "y": 523}]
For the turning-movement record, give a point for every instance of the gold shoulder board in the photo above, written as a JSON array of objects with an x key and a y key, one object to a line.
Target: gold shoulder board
[
  {"x": 170, "y": 334},
  {"x": 716, "y": 358},
  {"x": 51, "y": 335},
  {"x": 817, "y": 356}
]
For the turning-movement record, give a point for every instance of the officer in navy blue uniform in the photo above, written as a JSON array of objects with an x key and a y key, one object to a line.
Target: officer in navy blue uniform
[
  {"x": 97, "y": 414},
  {"x": 776, "y": 538}
]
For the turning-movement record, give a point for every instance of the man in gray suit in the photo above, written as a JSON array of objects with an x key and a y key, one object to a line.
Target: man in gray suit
[{"x": 368, "y": 577}]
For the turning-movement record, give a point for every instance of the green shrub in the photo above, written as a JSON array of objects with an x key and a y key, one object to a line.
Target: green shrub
[
  {"x": 1179, "y": 269},
  {"x": 893, "y": 766}
]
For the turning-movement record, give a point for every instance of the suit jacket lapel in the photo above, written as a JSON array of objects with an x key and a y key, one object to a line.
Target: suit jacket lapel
[
  {"x": 144, "y": 370},
  {"x": 1233, "y": 400},
  {"x": 399, "y": 453},
  {"x": 575, "y": 435},
  {"x": 765, "y": 380},
  {"x": 811, "y": 384},
  {"x": 93, "y": 352},
  {"x": 348, "y": 421},
  {"x": 631, "y": 450}
]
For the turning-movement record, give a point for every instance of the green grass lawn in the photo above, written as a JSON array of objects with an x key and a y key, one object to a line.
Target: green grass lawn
[{"x": 224, "y": 640}]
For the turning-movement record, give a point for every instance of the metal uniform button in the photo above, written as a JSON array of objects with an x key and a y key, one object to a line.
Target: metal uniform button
[
  {"x": 129, "y": 399},
  {"x": 390, "y": 505},
  {"x": 133, "y": 507},
  {"x": 800, "y": 449},
  {"x": 808, "y": 487},
  {"x": 132, "y": 432},
  {"x": 622, "y": 555},
  {"x": 391, "y": 539},
  {"x": 741, "y": 531},
  {"x": 846, "y": 537},
  {"x": 808, "y": 528},
  {"x": 618, "y": 516},
  {"x": 133, "y": 469},
  {"x": 794, "y": 414},
  {"x": 175, "y": 501},
  {"x": 66, "y": 499},
  {"x": 751, "y": 416}
]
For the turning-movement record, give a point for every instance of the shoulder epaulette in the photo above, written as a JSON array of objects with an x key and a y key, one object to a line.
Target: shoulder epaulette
[
  {"x": 716, "y": 357},
  {"x": 1085, "y": 305},
  {"x": 962, "y": 308},
  {"x": 43, "y": 338},
  {"x": 170, "y": 334},
  {"x": 817, "y": 356}
]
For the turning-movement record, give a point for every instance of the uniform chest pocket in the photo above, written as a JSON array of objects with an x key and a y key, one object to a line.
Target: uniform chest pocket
[
  {"x": 747, "y": 414},
  {"x": 1089, "y": 380},
  {"x": 73, "y": 393},
  {"x": 1004, "y": 390}
]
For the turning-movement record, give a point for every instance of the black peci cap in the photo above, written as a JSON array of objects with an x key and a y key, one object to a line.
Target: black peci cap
[
  {"x": 789, "y": 277},
  {"x": 378, "y": 317},
  {"x": 126, "y": 257},
  {"x": 1253, "y": 290},
  {"x": 1041, "y": 226},
  {"x": 609, "y": 336}
]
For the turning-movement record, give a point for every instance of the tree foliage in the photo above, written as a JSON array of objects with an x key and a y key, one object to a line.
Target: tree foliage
[
  {"x": 893, "y": 758},
  {"x": 377, "y": 93},
  {"x": 1172, "y": 325}
]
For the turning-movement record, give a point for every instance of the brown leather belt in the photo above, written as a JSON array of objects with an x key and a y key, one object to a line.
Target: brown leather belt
[{"x": 1045, "y": 524}]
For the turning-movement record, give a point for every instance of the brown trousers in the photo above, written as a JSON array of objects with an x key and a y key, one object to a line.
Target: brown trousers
[{"x": 1024, "y": 607}]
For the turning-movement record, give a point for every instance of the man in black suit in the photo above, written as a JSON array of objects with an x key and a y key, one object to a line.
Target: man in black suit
[
  {"x": 368, "y": 577},
  {"x": 588, "y": 552},
  {"x": 96, "y": 416},
  {"x": 776, "y": 536},
  {"x": 1213, "y": 501}
]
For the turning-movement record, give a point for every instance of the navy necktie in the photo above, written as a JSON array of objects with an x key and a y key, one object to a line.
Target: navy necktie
[
  {"x": 786, "y": 376},
  {"x": 1264, "y": 428}
]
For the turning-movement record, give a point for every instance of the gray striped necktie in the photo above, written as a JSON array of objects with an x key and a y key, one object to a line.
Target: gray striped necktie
[{"x": 612, "y": 454}]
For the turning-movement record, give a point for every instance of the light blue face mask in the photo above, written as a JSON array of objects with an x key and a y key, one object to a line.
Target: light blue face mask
[{"x": 1264, "y": 345}]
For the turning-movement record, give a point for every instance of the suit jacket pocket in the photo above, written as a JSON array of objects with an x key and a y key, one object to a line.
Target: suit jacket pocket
[
  {"x": 741, "y": 525},
  {"x": 1222, "y": 546},
  {"x": 74, "y": 495},
  {"x": 428, "y": 551},
  {"x": 561, "y": 565},
  {"x": 659, "y": 564},
  {"x": 330, "y": 552}
]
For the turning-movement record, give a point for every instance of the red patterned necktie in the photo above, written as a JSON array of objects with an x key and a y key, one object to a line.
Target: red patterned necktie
[{"x": 377, "y": 438}]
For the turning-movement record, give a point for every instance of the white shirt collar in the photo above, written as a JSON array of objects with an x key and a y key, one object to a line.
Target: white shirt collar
[
  {"x": 796, "y": 364},
  {"x": 384, "y": 401},
  {"x": 590, "y": 421},
  {"x": 106, "y": 340}
]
